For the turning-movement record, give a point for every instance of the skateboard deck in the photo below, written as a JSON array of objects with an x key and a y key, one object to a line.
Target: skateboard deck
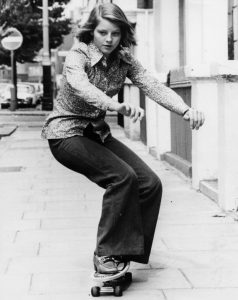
[{"x": 114, "y": 284}]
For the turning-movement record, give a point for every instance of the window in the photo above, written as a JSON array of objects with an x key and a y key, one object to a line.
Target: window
[
  {"x": 145, "y": 3},
  {"x": 232, "y": 29}
]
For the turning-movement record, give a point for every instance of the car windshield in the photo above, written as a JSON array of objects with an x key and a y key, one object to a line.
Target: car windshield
[{"x": 25, "y": 88}]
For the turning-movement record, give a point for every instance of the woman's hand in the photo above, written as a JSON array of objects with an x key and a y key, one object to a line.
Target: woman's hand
[
  {"x": 195, "y": 117},
  {"x": 129, "y": 110}
]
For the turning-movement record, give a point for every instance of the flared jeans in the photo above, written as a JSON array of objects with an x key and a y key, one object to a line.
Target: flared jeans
[{"x": 132, "y": 197}]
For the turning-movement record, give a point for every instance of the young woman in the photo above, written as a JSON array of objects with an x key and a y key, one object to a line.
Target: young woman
[{"x": 79, "y": 138}]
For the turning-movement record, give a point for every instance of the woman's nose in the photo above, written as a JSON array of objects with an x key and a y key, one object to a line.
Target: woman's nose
[{"x": 109, "y": 38}]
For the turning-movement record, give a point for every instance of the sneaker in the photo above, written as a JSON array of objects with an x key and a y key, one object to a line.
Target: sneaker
[
  {"x": 121, "y": 262},
  {"x": 105, "y": 264}
]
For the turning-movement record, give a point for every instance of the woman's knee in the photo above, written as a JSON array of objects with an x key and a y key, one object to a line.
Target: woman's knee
[
  {"x": 130, "y": 176},
  {"x": 153, "y": 184},
  {"x": 127, "y": 178},
  {"x": 156, "y": 183},
  {"x": 123, "y": 174}
]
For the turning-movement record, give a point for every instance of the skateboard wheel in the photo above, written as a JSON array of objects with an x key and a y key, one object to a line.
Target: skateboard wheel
[
  {"x": 128, "y": 277},
  {"x": 118, "y": 291},
  {"x": 95, "y": 291}
]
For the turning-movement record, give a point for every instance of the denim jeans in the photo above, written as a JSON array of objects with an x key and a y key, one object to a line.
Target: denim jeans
[{"x": 132, "y": 195}]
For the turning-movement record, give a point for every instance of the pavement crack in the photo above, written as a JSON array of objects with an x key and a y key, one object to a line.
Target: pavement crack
[
  {"x": 8, "y": 265},
  {"x": 15, "y": 237},
  {"x": 187, "y": 279},
  {"x": 30, "y": 284},
  {"x": 38, "y": 249},
  {"x": 163, "y": 293},
  {"x": 162, "y": 240}
]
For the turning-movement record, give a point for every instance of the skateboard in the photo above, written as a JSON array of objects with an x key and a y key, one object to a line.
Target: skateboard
[{"x": 111, "y": 283}]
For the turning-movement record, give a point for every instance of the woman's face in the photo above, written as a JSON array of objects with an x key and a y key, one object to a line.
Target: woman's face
[{"x": 106, "y": 36}]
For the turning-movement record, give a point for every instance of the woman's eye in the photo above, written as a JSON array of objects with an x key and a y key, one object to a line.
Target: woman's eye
[
  {"x": 116, "y": 33},
  {"x": 102, "y": 32}
]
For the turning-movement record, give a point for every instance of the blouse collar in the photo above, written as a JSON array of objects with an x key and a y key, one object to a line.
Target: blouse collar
[{"x": 95, "y": 55}]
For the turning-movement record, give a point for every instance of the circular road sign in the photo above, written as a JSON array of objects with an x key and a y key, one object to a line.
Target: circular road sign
[{"x": 13, "y": 39}]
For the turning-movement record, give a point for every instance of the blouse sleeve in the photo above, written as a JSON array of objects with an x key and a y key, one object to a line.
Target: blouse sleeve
[
  {"x": 77, "y": 78},
  {"x": 154, "y": 89}
]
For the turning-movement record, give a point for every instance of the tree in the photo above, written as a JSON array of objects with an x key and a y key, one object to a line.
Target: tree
[
  {"x": 2, "y": 31},
  {"x": 26, "y": 16}
]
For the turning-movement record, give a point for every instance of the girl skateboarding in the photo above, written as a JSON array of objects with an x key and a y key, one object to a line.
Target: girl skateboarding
[{"x": 95, "y": 69}]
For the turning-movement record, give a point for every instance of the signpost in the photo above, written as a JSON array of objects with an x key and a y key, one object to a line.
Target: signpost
[{"x": 12, "y": 41}]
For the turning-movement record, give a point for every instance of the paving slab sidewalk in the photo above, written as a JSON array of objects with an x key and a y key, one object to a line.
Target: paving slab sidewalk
[{"x": 48, "y": 227}]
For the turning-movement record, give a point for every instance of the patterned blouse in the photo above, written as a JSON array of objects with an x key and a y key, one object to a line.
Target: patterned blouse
[{"x": 89, "y": 83}]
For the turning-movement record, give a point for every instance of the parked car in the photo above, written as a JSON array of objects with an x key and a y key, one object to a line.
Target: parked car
[
  {"x": 4, "y": 94},
  {"x": 27, "y": 94},
  {"x": 38, "y": 90}
]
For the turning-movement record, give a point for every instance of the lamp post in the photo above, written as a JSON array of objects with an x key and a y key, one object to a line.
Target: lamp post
[
  {"x": 13, "y": 103},
  {"x": 47, "y": 101}
]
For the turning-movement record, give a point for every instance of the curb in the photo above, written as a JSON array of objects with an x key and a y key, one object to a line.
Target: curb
[
  {"x": 7, "y": 130},
  {"x": 25, "y": 113}
]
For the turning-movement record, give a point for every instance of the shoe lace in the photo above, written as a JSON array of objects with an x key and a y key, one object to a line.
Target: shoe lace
[
  {"x": 117, "y": 260},
  {"x": 105, "y": 259}
]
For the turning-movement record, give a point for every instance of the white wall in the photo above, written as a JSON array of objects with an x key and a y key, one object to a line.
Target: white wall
[
  {"x": 165, "y": 58},
  {"x": 126, "y": 5},
  {"x": 206, "y": 31},
  {"x": 206, "y": 43},
  {"x": 166, "y": 38},
  {"x": 145, "y": 38},
  {"x": 205, "y": 141},
  {"x": 228, "y": 144},
  {"x": 145, "y": 53}
]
